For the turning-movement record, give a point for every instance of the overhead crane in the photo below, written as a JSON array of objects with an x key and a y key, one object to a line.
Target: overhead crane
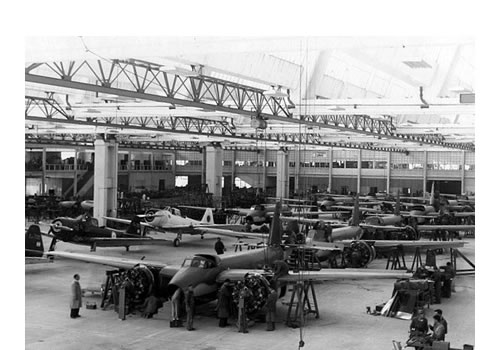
[{"x": 140, "y": 80}]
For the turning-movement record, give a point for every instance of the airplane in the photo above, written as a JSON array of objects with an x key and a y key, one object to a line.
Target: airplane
[
  {"x": 330, "y": 202},
  {"x": 84, "y": 230},
  {"x": 259, "y": 214},
  {"x": 205, "y": 272},
  {"x": 33, "y": 246},
  {"x": 359, "y": 253},
  {"x": 170, "y": 220}
]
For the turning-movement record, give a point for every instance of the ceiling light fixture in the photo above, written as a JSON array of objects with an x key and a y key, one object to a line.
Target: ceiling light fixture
[
  {"x": 275, "y": 92},
  {"x": 182, "y": 70}
]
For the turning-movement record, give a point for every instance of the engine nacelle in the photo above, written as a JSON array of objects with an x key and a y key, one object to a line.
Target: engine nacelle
[
  {"x": 138, "y": 282},
  {"x": 358, "y": 254}
]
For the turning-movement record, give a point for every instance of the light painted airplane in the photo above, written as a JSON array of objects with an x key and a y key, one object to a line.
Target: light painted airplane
[
  {"x": 170, "y": 220},
  {"x": 205, "y": 272}
]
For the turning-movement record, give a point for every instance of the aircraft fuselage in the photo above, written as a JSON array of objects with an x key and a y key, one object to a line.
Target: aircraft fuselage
[{"x": 201, "y": 271}]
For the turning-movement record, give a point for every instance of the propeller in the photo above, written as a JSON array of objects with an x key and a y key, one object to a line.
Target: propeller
[{"x": 57, "y": 226}]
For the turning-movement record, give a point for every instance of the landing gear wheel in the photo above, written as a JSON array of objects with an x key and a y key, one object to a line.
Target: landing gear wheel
[{"x": 177, "y": 242}]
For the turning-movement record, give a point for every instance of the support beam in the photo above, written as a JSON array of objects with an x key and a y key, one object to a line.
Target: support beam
[
  {"x": 388, "y": 179},
  {"x": 233, "y": 169},
  {"x": 424, "y": 186},
  {"x": 462, "y": 174},
  {"x": 213, "y": 166},
  {"x": 358, "y": 183},
  {"x": 282, "y": 188},
  {"x": 75, "y": 174},
  {"x": 330, "y": 170},
  {"x": 144, "y": 80},
  {"x": 105, "y": 178},
  {"x": 297, "y": 155},
  {"x": 44, "y": 169},
  {"x": 264, "y": 169}
]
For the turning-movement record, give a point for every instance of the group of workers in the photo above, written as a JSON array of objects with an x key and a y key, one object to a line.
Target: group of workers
[
  {"x": 419, "y": 328},
  {"x": 224, "y": 308}
]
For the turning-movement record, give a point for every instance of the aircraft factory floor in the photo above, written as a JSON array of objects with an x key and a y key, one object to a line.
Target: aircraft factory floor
[{"x": 343, "y": 322}]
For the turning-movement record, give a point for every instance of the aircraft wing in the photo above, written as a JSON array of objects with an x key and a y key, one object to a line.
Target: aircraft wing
[
  {"x": 122, "y": 221},
  {"x": 321, "y": 275},
  {"x": 239, "y": 211},
  {"x": 408, "y": 245},
  {"x": 28, "y": 260},
  {"x": 333, "y": 223},
  {"x": 231, "y": 233},
  {"x": 446, "y": 227},
  {"x": 120, "y": 242},
  {"x": 464, "y": 214},
  {"x": 346, "y": 207},
  {"x": 122, "y": 263},
  {"x": 383, "y": 227},
  {"x": 322, "y": 213}
]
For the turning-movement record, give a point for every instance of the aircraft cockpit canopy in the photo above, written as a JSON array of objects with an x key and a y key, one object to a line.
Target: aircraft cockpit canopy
[{"x": 199, "y": 262}]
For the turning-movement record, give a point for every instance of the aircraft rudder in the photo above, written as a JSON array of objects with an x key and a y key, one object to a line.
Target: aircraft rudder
[
  {"x": 208, "y": 217},
  {"x": 276, "y": 229}
]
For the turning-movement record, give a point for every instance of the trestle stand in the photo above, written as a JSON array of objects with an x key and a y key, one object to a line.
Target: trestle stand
[{"x": 300, "y": 303}]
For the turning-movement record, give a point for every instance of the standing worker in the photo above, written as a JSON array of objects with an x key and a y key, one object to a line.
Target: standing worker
[
  {"x": 419, "y": 325},
  {"x": 242, "y": 315},
  {"x": 439, "y": 312},
  {"x": 76, "y": 297},
  {"x": 189, "y": 307},
  {"x": 438, "y": 331},
  {"x": 272, "y": 298},
  {"x": 223, "y": 304},
  {"x": 176, "y": 301},
  {"x": 219, "y": 246}
]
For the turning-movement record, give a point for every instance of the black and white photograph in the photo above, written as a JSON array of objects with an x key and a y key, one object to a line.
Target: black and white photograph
[{"x": 250, "y": 191}]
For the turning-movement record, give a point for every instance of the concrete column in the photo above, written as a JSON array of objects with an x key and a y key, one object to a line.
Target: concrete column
[
  {"x": 75, "y": 176},
  {"x": 213, "y": 166},
  {"x": 105, "y": 178},
  {"x": 203, "y": 168},
  {"x": 282, "y": 174},
  {"x": 425, "y": 172},
  {"x": 330, "y": 170},
  {"x": 264, "y": 170},
  {"x": 358, "y": 185},
  {"x": 233, "y": 169},
  {"x": 44, "y": 169},
  {"x": 388, "y": 179},
  {"x": 462, "y": 175},
  {"x": 174, "y": 165},
  {"x": 296, "y": 186}
]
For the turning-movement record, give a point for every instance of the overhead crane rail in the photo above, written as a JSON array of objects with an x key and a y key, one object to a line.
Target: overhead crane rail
[
  {"x": 36, "y": 106},
  {"x": 145, "y": 80}
]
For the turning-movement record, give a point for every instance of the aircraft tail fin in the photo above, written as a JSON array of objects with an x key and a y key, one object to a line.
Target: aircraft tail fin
[
  {"x": 276, "y": 228},
  {"x": 208, "y": 217},
  {"x": 355, "y": 212},
  {"x": 33, "y": 243}
]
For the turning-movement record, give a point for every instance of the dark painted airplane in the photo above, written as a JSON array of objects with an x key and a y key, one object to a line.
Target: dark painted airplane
[
  {"x": 84, "y": 230},
  {"x": 205, "y": 272}
]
